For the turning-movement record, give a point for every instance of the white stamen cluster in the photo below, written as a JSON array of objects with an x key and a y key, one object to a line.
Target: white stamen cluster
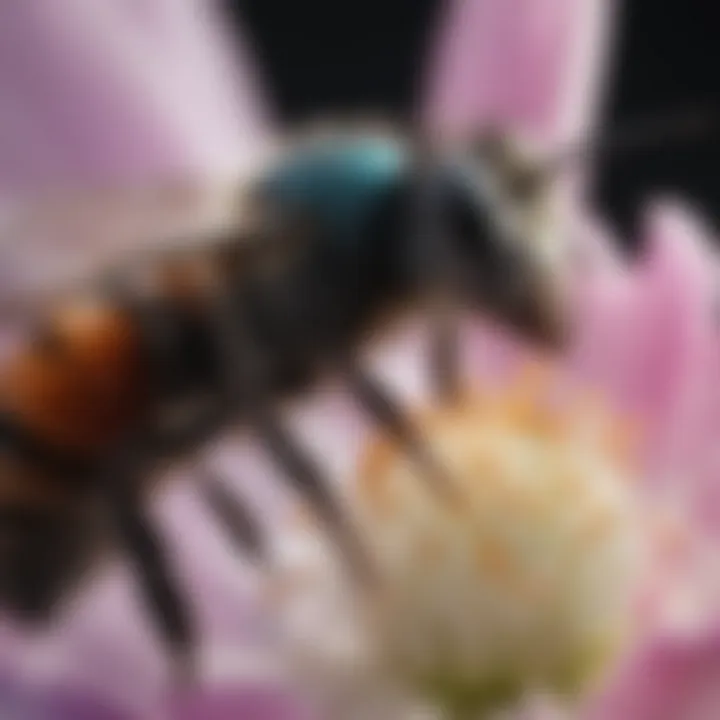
[{"x": 524, "y": 578}]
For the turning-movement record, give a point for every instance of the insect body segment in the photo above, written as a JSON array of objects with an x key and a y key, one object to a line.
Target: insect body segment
[
  {"x": 81, "y": 381},
  {"x": 217, "y": 335},
  {"x": 339, "y": 181}
]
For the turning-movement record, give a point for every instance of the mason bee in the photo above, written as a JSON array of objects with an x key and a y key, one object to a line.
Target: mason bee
[{"x": 281, "y": 282}]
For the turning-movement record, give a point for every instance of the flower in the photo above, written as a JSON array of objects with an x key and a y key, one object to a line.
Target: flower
[
  {"x": 671, "y": 290},
  {"x": 522, "y": 576},
  {"x": 644, "y": 341}
]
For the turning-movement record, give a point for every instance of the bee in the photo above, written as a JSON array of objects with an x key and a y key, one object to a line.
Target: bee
[{"x": 242, "y": 301}]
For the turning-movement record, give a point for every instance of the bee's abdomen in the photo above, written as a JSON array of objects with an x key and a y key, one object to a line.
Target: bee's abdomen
[{"x": 81, "y": 382}]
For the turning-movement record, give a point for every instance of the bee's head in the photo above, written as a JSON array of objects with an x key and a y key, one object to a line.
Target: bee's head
[{"x": 510, "y": 252}]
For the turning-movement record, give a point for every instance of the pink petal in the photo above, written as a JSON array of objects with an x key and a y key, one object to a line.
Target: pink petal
[
  {"x": 531, "y": 63},
  {"x": 18, "y": 702},
  {"x": 647, "y": 339},
  {"x": 673, "y": 679},
  {"x": 594, "y": 251},
  {"x": 119, "y": 90},
  {"x": 233, "y": 702}
]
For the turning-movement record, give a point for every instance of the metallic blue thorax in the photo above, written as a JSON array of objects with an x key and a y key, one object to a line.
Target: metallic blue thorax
[{"x": 338, "y": 181}]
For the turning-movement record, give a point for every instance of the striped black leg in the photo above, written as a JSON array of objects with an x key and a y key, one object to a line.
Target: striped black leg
[
  {"x": 230, "y": 512},
  {"x": 307, "y": 479},
  {"x": 429, "y": 227},
  {"x": 386, "y": 411},
  {"x": 232, "y": 515},
  {"x": 443, "y": 354},
  {"x": 163, "y": 596},
  {"x": 244, "y": 381}
]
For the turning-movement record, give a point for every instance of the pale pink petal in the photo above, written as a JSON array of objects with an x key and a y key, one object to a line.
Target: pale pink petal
[
  {"x": 18, "y": 702},
  {"x": 232, "y": 702},
  {"x": 118, "y": 90},
  {"x": 120, "y": 94},
  {"x": 672, "y": 679},
  {"x": 104, "y": 644},
  {"x": 594, "y": 250},
  {"x": 690, "y": 274},
  {"x": 707, "y": 468},
  {"x": 535, "y": 64},
  {"x": 647, "y": 340}
]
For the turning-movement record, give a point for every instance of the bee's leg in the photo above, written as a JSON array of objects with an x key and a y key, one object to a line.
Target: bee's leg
[
  {"x": 429, "y": 225},
  {"x": 307, "y": 479},
  {"x": 230, "y": 512},
  {"x": 163, "y": 595},
  {"x": 233, "y": 515},
  {"x": 386, "y": 411},
  {"x": 443, "y": 354},
  {"x": 245, "y": 388}
]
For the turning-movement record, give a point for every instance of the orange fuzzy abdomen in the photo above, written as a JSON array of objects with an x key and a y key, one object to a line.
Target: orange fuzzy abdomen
[{"x": 83, "y": 383}]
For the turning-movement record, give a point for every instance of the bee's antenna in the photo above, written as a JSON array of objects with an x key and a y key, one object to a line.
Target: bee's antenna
[{"x": 686, "y": 126}]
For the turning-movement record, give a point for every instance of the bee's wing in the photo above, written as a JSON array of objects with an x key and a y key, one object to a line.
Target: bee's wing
[{"x": 52, "y": 242}]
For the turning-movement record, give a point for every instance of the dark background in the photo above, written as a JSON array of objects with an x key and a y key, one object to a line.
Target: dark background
[{"x": 328, "y": 56}]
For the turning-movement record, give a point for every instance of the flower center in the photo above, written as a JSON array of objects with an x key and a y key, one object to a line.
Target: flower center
[{"x": 526, "y": 583}]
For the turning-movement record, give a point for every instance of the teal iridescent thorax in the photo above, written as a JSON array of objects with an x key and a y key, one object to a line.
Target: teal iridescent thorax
[{"x": 337, "y": 181}]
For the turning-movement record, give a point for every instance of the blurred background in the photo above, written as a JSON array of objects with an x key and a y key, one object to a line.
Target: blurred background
[{"x": 322, "y": 56}]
